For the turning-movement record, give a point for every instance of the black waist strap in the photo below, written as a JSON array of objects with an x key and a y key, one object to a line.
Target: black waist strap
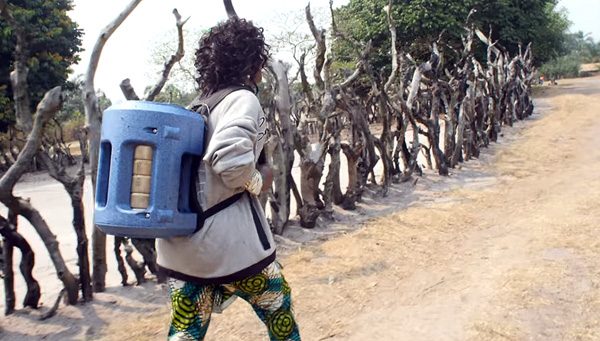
[{"x": 216, "y": 209}]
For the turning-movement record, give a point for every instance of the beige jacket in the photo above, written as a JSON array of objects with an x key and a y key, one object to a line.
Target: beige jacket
[{"x": 236, "y": 242}]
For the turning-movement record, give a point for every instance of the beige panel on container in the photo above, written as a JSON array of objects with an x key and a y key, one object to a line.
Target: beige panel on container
[{"x": 142, "y": 177}]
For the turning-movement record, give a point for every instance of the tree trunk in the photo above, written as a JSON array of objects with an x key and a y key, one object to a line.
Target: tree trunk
[
  {"x": 280, "y": 203},
  {"x": 147, "y": 248},
  {"x": 9, "y": 275},
  {"x": 493, "y": 128},
  {"x": 120, "y": 261},
  {"x": 460, "y": 132},
  {"x": 138, "y": 268},
  {"x": 94, "y": 122},
  {"x": 283, "y": 153},
  {"x": 24, "y": 208},
  {"x": 332, "y": 193},
  {"x": 352, "y": 191},
  {"x": 385, "y": 144},
  {"x": 433, "y": 129},
  {"x": 45, "y": 110},
  {"x": 333, "y": 188},
  {"x": 12, "y": 238},
  {"x": 82, "y": 243},
  {"x": 396, "y": 154},
  {"x": 74, "y": 187},
  {"x": 311, "y": 170},
  {"x": 413, "y": 153}
]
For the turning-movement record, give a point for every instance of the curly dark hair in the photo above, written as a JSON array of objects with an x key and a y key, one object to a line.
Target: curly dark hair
[{"x": 231, "y": 53}]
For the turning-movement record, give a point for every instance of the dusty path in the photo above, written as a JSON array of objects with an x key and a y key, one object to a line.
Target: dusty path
[{"x": 506, "y": 249}]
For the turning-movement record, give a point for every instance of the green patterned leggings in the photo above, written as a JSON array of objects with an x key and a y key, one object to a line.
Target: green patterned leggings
[{"x": 267, "y": 292}]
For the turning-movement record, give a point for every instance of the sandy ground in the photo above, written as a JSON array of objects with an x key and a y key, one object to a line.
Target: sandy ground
[{"x": 503, "y": 249}]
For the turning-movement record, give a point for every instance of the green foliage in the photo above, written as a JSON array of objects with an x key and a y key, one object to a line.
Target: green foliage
[
  {"x": 173, "y": 95},
  {"x": 71, "y": 127},
  {"x": 420, "y": 22},
  {"x": 103, "y": 101},
  {"x": 584, "y": 46},
  {"x": 417, "y": 22},
  {"x": 579, "y": 48},
  {"x": 562, "y": 67},
  {"x": 534, "y": 21},
  {"x": 53, "y": 41},
  {"x": 73, "y": 106},
  {"x": 71, "y": 117},
  {"x": 5, "y": 104}
]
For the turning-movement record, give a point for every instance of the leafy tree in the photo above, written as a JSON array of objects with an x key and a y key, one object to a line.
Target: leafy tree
[
  {"x": 53, "y": 43},
  {"x": 72, "y": 107},
  {"x": 420, "y": 22},
  {"x": 535, "y": 21},
  {"x": 173, "y": 95},
  {"x": 584, "y": 46},
  {"x": 71, "y": 116},
  {"x": 579, "y": 48},
  {"x": 564, "y": 66}
]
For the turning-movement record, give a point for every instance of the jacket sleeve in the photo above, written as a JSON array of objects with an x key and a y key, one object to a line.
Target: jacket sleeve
[{"x": 231, "y": 150}]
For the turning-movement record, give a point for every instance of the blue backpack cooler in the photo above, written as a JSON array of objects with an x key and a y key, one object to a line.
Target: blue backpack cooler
[{"x": 177, "y": 139}]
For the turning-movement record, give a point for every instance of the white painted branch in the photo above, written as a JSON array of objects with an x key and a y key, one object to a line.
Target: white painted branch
[
  {"x": 394, "y": 50},
  {"x": 284, "y": 150},
  {"x": 354, "y": 76},
  {"x": 415, "y": 85},
  {"x": 319, "y": 36}
]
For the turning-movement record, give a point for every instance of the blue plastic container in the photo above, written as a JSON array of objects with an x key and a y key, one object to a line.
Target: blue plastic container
[{"x": 175, "y": 135}]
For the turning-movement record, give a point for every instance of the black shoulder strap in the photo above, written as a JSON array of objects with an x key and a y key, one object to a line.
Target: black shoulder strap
[
  {"x": 210, "y": 102},
  {"x": 216, "y": 209},
  {"x": 204, "y": 105}
]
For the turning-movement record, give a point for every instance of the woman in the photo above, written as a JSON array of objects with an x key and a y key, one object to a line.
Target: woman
[{"x": 234, "y": 252}]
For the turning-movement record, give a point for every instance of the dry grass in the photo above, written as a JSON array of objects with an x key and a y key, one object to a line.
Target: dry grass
[{"x": 594, "y": 67}]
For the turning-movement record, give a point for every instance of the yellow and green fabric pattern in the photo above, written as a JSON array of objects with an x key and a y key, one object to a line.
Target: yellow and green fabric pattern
[{"x": 267, "y": 292}]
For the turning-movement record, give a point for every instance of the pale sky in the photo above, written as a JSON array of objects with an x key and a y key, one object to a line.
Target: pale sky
[
  {"x": 128, "y": 52},
  {"x": 585, "y": 16}
]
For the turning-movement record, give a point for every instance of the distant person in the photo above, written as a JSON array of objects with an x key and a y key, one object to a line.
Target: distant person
[{"x": 233, "y": 254}]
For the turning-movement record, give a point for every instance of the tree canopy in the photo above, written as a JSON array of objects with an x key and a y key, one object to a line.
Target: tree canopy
[
  {"x": 54, "y": 41},
  {"x": 420, "y": 22}
]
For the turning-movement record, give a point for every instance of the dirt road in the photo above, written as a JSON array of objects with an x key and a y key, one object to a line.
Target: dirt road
[{"x": 505, "y": 249}]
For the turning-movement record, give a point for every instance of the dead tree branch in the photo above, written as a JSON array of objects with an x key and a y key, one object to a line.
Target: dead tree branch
[
  {"x": 319, "y": 36},
  {"x": 175, "y": 58},
  {"x": 94, "y": 122}
]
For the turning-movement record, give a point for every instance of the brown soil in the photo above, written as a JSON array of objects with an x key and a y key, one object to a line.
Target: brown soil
[{"x": 504, "y": 249}]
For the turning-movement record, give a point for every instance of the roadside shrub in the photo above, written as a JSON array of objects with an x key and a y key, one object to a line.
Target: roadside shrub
[
  {"x": 562, "y": 67},
  {"x": 69, "y": 128}
]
